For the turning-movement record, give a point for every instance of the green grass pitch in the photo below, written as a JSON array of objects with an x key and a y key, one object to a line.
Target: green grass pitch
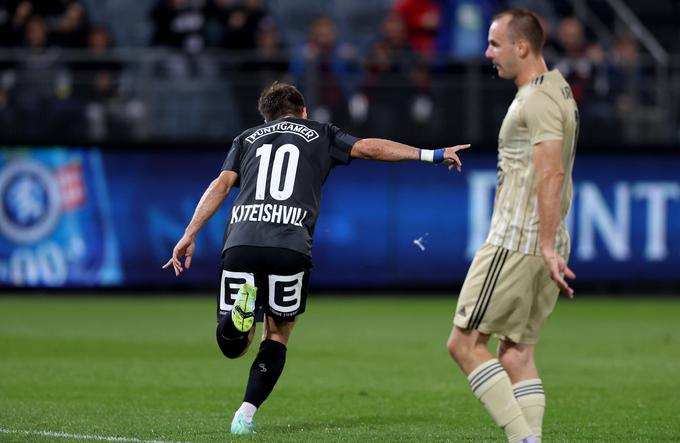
[{"x": 359, "y": 369}]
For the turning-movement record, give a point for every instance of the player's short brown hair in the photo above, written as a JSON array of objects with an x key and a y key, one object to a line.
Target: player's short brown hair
[
  {"x": 525, "y": 24},
  {"x": 280, "y": 99}
]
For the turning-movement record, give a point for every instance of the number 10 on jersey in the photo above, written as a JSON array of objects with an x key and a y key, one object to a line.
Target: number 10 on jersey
[{"x": 277, "y": 191}]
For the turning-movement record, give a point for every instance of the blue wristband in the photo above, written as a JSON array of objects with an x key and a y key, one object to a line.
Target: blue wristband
[
  {"x": 438, "y": 156},
  {"x": 432, "y": 156}
]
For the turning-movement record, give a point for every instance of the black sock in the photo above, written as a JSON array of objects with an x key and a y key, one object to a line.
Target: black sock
[
  {"x": 265, "y": 371},
  {"x": 231, "y": 341}
]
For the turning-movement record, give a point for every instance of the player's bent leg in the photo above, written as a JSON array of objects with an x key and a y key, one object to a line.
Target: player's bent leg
[
  {"x": 264, "y": 372},
  {"x": 235, "y": 323},
  {"x": 489, "y": 382},
  {"x": 518, "y": 361}
]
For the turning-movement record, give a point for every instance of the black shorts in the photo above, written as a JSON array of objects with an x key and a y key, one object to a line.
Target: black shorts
[{"x": 280, "y": 275}]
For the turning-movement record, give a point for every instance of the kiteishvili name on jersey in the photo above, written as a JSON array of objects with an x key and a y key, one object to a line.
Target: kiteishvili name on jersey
[{"x": 268, "y": 213}]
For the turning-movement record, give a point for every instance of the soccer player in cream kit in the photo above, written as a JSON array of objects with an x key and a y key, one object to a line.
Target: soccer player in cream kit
[
  {"x": 280, "y": 167},
  {"x": 515, "y": 278}
]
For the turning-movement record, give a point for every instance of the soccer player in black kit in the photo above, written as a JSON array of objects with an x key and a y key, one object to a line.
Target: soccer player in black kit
[{"x": 280, "y": 167}]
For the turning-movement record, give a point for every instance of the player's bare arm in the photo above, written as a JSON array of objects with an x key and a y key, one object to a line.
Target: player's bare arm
[
  {"x": 391, "y": 151},
  {"x": 210, "y": 202},
  {"x": 550, "y": 175}
]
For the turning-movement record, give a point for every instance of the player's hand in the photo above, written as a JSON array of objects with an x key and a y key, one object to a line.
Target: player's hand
[
  {"x": 558, "y": 270},
  {"x": 451, "y": 158},
  {"x": 184, "y": 248}
]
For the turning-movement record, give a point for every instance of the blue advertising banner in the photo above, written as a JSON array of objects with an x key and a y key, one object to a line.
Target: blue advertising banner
[
  {"x": 55, "y": 224},
  {"x": 153, "y": 196},
  {"x": 381, "y": 225},
  {"x": 413, "y": 225}
]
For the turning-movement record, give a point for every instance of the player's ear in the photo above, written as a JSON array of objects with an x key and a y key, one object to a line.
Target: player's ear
[
  {"x": 304, "y": 113},
  {"x": 522, "y": 48}
]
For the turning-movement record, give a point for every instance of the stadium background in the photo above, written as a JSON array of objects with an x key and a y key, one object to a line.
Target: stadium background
[{"x": 115, "y": 116}]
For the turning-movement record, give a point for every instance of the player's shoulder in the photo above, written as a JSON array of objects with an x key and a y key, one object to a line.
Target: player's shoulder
[
  {"x": 319, "y": 127},
  {"x": 548, "y": 80},
  {"x": 243, "y": 135},
  {"x": 547, "y": 86}
]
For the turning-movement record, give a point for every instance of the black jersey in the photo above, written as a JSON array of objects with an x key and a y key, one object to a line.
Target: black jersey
[{"x": 281, "y": 167}]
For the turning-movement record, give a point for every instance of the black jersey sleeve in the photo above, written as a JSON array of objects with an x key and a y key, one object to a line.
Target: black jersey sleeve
[
  {"x": 341, "y": 145},
  {"x": 233, "y": 160}
]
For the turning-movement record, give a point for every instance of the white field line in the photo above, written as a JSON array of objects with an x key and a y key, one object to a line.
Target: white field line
[{"x": 81, "y": 436}]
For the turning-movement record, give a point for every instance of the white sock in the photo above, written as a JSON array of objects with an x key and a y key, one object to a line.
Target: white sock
[
  {"x": 531, "y": 398},
  {"x": 247, "y": 410},
  {"x": 491, "y": 385}
]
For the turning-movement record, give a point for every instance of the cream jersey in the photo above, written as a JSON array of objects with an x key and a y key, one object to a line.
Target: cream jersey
[{"x": 542, "y": 110}]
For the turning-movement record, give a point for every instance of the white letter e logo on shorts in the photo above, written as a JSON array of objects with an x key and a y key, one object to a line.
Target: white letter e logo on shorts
[{"x": 287, "y": 298}]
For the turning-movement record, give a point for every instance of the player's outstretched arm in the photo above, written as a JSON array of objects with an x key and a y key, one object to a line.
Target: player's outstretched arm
[
  {"x": 209, "y": 204},
  {"x": 550, "y": 175},
  {"x": 391, "y": 151}
]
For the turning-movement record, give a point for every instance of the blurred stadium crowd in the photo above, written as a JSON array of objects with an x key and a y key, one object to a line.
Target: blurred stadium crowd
[{"x": 149, "y": 70}]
